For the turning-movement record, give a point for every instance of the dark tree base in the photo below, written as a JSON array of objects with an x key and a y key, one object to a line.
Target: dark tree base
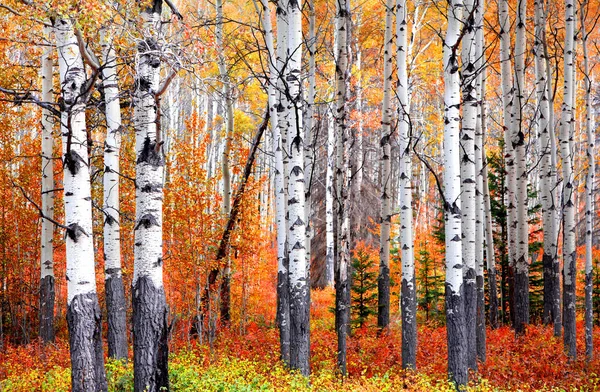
[
  {"x": 342, "y": 322},
  {"x": 150, "y": 349},
  {"x": 589, "y": 317},
  {"x": 85, "y": 342},
  {"x": 481, "y": 332},
  {"x": 383, "y": 297},
  {"x": 570, "y": 334},
  {"x": 493, "y": 292},
  {"x": 471, "y": 317},
  {"x": 117, "y": 315},
  {"x": 457, "y": 341},
  {"x": 409, "y": 325},
  {"x": 300, "y": 329},
  {"x": 47, "y": 309},
  {"x": 283, "y": 316},
  {"x": 547, "y": 264},
  {"x": 521, "y": 302}
]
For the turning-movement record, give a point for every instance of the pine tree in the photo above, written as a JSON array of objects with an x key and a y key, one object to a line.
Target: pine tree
[{"x": 364, "y": 288}]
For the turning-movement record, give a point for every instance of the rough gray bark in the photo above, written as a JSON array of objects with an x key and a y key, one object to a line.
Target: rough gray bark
[
  {"x": 457, "y": 342},
  {"x": 116, "y": 316},
  {"x": 47, "y": 308},
  {"x": 85, "y": 344},
  {"x": 150, "y": 349},
  {"x": 409, "y": 333}
]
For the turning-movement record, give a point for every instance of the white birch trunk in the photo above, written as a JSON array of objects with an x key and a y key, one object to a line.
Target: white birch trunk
[
  {"x": 83, "y": 314},
  {"x": 298, "y": 271},
  {"x": 329, "y": 233},
  {"x": 408, "y": 292},
  {"x": 455, "y": 312},
  {"x": 309, "y": 127},
  {"x": 383, "y": 317},
  {"x": 115, "y": 293},
  {"x": 150, "y": 353},
  {"x": 47, "y": 292},
  {"x": 568, "y": 207},
  {"x": 468, "y": 179}
]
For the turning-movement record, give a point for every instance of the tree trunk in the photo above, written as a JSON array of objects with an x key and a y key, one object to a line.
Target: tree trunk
[
  {"x": 569, "y": 255},
  {"x": 589, "y": 191},
  {"x": 468, "y": 184},
  {"x": 115, "y": 293},
  {"x": 479, "y": 202},
  {"x": 507, "y": 104},
  {"x": 342, "y": 267},
  {"x": 150, "y": 349},
  {"x": 383, "y": 281},
  {"x": 408, "y": 292},
  {"x": 455, "y": 302},
  {"x": 298, "y": 271},
  {"x": 520, "y": 154},
  {"x": 47, "y": 252},
  {"x": 283, "y": 289},
  {"x": 329, "y": 233},
  {"x": 83, "y": 310}
]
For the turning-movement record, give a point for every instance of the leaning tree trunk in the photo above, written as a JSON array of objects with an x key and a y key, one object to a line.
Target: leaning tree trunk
[
  {"x": 546, "y": 171},
  {"x": 589, "y": 191},
  {"x": 455, "y": 302},
  {"x": 408, "y": 292},
  {"x": 342, "y": 267},
  {"x": 298, "y": 271},
  {"x": 568, "y": 207},
  {"x": 468, "y": 184},
  {"x": 479, "y": 202},
  {"x": 150, "y": 349},
  {"x": 47, "y": 252},
  {"x": 383, "y": 281},
  {"x": 83, "y": 312},
  {"x": 507, "y": 103},
  {"x": 521, "y": 296},
  {"x": 115, "y": 293},
  {"x": 226, "y": 279}
]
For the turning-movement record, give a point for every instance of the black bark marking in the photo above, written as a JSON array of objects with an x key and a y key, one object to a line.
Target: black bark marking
[
  {"x": 74, "y": 231},
  {"x": 73, "y": 162},
  {"x": 147, "y": 221},
  {"x": 150, "y": 154}
]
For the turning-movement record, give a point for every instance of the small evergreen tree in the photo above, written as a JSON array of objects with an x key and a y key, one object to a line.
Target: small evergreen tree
[
  {"x": 430, "y": 292},
  {"x": 364, "y": 288}
]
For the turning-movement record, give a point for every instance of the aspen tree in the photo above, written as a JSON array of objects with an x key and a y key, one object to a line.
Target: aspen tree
[
  {"x": 342, "y": 267},
  {"x": 298, "y": 271},
  {"x": 83, "y": 312},
  {"x": 309, "y": 128},
  {"x": 329, "y": 232},
  {"x": 455, "y": 302},
  {"x": 468, "y": 184},
  {"x": 283, "y": 288},
  {"x": 521, "y": 296},
  {"x": 383, "y": 316},
  {"x": 568, "y": 207},
  {"x": 408, "y": 292},
  {"x": 589, "y": 189},
  {"x": 150, "y": 349},
  {"x": 115, "y": 293},
  {"x": 47, "y": 293}
]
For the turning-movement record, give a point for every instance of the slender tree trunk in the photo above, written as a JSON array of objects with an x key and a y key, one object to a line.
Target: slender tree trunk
[
  {"x": 508, "y": 125},
  {"x": 468, "y": 184},
  {"x": 150, "y": 349},
  {"x": 408, "y": 292},
  {"x": 479, "y": 202},
  {"x": 226, "y": 279},
  {"x": 115, "y": 292},
  {"x": 383, "y": 315},
  {"x": 83, "y": 311},
  {"x": 546, "y": 178},
  {"x": 589, "y": 191},
  {"x": 342, "y": 268},
  {"x": 298, "y": 271},
  {"x": 283, "y": 310},
  {"x": 455, "y": 301},
  {"x": 490, "y": 255},
  {"x": 329, "y": 232},
  {"x": 568, "y": 207},
  {"x": 521, "y": 298},
  {"x": 47, "y": 252}
]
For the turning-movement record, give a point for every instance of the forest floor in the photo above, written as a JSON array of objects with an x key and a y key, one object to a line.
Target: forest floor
[{"x": 249, "y": 362}]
